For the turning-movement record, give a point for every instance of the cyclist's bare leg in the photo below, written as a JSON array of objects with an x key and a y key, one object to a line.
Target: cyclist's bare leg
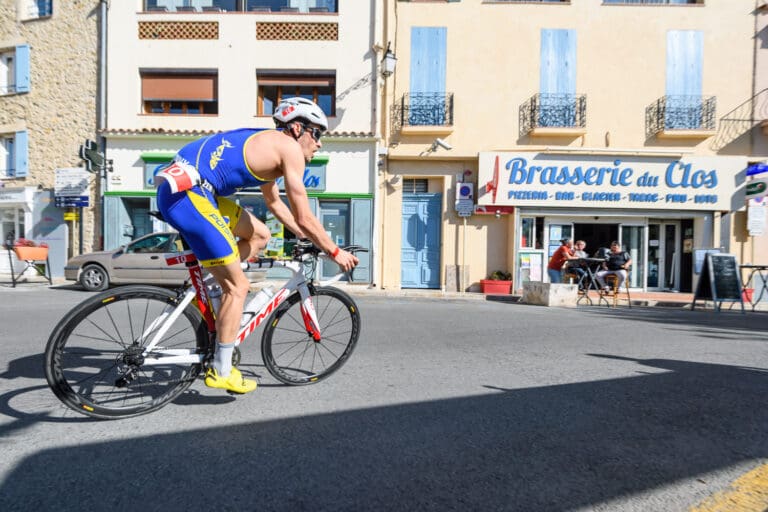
[{"x": 253, "y": 235}]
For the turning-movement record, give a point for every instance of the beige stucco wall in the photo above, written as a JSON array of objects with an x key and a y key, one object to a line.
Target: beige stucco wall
[
  {"x": 237, "y": 55},
  {"x": 493, "y": 53},
  {"x": 59, "y": 112}
]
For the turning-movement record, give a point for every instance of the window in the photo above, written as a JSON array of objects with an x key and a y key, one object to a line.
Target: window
[
  {"x": 415, "y": 186},
  {"x": 291, "y": 6},
  {"x": 14, "y": 70},
  {"x": 13, "y": 155},
  {"x": 319, "y": 87},
  {"x": 653, "y": 1},
  {"x": 180, "y": 93},
  {"x": 34, "y": 9},
  {"x": 12, "y": 223}
]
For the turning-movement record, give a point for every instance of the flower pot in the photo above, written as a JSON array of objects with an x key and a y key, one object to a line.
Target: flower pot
[
  {"x": 496, "y": 287},
  {"x": 31, "y": 253},
  {"x": 746, "y": 294}
]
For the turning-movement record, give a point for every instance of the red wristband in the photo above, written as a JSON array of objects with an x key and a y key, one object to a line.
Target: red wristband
[{"x": 335, "y": 252}]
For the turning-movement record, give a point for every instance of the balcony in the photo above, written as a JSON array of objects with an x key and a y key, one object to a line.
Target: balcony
[
  {"x": 554, "y": 115},
  {"x": 681, "y": 117},
  {"x": 424, "y": 113}
]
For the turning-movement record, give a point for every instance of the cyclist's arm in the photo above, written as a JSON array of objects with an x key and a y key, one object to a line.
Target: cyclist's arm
[
  {"x": 293, "y": 171},
  {"x": 279, "y": 209}
]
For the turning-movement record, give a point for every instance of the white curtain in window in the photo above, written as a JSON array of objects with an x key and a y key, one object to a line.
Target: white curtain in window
[{"x": 6, "y": 155}]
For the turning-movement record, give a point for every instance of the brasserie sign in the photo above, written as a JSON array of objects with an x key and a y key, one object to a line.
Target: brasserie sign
[{"x": 537, "y": 179}]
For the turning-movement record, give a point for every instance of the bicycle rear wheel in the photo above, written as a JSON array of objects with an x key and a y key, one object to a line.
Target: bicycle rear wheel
[
  {"x": 93, "y": 360},
  {"x": 292, "y": 356}
]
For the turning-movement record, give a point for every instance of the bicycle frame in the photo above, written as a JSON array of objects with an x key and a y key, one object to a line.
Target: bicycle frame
[{"x": 154, "y": 355}]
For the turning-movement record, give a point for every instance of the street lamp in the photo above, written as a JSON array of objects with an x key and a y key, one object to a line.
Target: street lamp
[{"x": 388, "y": 62}]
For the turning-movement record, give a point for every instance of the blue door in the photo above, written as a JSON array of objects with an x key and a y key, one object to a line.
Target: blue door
[{"x": 420, "y": 253}]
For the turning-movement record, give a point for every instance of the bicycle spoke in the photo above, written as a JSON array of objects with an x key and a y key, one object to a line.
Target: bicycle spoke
[
  {"x": 95, "y": 370},
  {"x": 292, "y": 356}
]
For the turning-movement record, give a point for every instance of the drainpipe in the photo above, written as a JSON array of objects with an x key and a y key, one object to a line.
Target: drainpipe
[{"x": 102, "y": 107}]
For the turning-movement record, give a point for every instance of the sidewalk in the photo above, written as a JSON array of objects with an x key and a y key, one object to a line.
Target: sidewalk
[{"x": 639, "y": 299}]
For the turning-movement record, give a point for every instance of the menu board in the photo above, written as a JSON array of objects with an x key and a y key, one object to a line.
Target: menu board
[{"x": 719, "y": 281}]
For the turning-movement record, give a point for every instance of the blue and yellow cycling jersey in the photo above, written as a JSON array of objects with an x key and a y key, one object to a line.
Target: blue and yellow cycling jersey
[
  {"x": 205, "y": 220},
  {"x": 220, "y": 160}
]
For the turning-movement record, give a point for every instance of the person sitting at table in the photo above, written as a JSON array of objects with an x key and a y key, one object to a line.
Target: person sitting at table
[
  {"x": 617, "y": 264},
  {"x": 577, "y": 267},
  {"x": 558, "y": 259}
]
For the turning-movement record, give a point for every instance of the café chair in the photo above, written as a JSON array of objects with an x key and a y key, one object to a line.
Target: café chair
[{"x": 612, "y": 280}]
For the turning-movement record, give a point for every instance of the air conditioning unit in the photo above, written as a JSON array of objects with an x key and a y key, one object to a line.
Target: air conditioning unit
[{"x": 465, "y": 191}]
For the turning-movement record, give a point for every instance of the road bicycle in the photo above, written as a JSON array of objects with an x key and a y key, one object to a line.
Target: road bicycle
[{"x": 131, "y": 350}]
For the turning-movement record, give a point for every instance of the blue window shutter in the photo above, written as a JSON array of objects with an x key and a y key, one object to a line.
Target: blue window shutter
[
  {"x": 684, "y": 62},
  {"x": 558, "y": 61},
  {"x": 21, "y": 157},
  {"x": 428, "y": 54},
  {"x": 22, "y": 68},
  {"x": 683, "y": 108},
  {"x": 428, "y": 51},
  {"x": 557, "y": 77}
]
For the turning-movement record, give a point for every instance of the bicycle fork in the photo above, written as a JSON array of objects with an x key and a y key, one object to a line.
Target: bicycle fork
[{"x": 309, "y": 315}]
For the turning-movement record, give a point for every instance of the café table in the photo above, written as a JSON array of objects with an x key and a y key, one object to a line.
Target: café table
[
  {"x": 761, "y": 271},
  {"x": 588, "y": 279}
]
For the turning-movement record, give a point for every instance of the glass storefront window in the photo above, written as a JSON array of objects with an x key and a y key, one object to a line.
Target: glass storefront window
[{"x": 12, "y": 222}]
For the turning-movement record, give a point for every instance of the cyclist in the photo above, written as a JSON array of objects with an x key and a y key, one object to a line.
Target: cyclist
[{"x": 190, "y": 195}]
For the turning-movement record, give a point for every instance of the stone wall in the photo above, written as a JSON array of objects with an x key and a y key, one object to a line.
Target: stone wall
[{"x": 60, "y": 111}]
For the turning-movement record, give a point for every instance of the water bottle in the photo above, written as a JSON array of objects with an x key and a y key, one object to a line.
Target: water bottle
[
  {"x": 256, "y": 303},
  {"x": 214, "y": 293}
]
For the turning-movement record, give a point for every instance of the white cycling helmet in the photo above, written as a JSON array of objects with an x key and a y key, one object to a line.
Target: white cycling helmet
[{"x": 291, "y": 109}]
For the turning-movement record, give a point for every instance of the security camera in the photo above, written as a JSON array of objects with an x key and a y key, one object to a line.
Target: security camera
[{"x": 442, "y": 144}]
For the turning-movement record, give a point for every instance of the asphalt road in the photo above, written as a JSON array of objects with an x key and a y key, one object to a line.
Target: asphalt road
[{"x": 445, "y": 405}]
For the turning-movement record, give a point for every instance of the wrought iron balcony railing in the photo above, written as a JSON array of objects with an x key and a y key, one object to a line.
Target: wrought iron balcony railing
[
  {"x": 423, "y": 109},
  {"x": 680, "y": 113},
  {"x": 553, "y": 111}
]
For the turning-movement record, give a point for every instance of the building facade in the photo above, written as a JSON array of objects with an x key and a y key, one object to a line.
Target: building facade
[
  {"x": 48, "y": 97},
  {"x": 598, "y": 120},
  {"x": 189, "y": 69}
]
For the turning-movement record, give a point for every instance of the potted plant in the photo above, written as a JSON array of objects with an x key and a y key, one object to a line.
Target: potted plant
[
  {"x": 498, "y": 282},
  {"x": 29, "y": 250}
]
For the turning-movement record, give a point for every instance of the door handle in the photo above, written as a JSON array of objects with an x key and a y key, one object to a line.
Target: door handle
[{"x": 154, "y": 257}]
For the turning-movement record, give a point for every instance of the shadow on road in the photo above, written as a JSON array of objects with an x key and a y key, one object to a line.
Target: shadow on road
[{"x": 550, "y": 448}]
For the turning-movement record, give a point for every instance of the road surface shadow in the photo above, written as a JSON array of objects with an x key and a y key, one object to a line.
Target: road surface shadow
[{"x": 552, "y": 448}]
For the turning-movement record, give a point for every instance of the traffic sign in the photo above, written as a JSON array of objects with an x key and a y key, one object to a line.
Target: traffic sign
[
  {"x": 70, "y": 201},
  {"x": 71, "y": 182}
]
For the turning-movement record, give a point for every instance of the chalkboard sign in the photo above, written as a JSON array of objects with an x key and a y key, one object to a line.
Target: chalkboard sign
[{"x": 719, "y": 281}]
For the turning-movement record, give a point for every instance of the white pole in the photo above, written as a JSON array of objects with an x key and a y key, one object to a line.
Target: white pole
[{"x": 463, "y": 255}]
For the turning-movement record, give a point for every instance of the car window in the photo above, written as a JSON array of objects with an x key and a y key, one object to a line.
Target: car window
[{"x": 151, "y": 244}]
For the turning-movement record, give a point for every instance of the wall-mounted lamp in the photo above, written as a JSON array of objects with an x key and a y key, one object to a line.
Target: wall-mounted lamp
[{"x": 388, "y": 62}]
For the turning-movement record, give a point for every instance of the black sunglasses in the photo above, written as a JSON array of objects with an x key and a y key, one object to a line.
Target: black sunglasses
[{"x": 315, "y": 133}]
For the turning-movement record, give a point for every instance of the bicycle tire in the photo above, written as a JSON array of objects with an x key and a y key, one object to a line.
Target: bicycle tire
[
  {"x": 97, "y": 344},
  {"x": 286, "y": 346}
]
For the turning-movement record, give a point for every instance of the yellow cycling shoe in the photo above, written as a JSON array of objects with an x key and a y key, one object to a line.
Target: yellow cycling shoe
[{"x": 234, "y": 382}]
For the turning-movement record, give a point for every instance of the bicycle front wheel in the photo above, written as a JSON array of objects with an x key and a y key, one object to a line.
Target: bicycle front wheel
[
  {"x": 94, "y": 362},
  {"x": 291, "y": 354}
]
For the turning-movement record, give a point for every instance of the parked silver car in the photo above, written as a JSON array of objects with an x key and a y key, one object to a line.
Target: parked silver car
[{"x": 140, "y": 261}]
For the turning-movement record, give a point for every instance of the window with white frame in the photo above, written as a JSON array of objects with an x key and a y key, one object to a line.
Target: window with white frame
[
  {"x": 7, "y": 72},
  {"x": 14, "y": 70},
  {"x": 13, "y": 155},
  {"x": 11, "y": 223},
  {"x": 34, "y": 9},
  {"x": 7, "y": 156}
]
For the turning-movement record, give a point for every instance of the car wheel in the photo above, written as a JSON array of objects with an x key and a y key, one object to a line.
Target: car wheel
[{"x": 94, "y": 278}]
